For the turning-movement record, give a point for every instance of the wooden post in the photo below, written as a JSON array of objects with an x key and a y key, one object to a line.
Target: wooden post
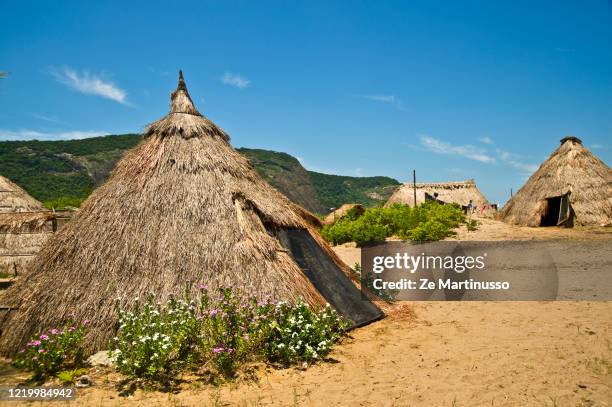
[
  {"x": 510, "y": 192},
  {"x": 414, "y": 186}
]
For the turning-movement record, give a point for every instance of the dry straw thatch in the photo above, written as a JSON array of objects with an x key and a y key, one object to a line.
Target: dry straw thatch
[
  {"x": 449, "y": 192},
  {"x": 24, "y": 227},
  {"x": 572, "y": 169},
  {"x": 341, "y": 211},
  {"x": 181, "y": 206},
  {"x": 14, "y": 199}
]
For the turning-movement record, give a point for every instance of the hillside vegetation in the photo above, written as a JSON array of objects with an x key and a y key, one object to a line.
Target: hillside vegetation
[{"x": 61, "y": 173}]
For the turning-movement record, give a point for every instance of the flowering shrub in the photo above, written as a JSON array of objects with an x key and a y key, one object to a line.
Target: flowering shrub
[
  {"x": 155, "y": 340},
  {"x": 49, "y": 352},
  {"x": 299, "y": 333}
]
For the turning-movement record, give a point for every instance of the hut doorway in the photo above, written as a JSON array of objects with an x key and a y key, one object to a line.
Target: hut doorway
[{"x": 557, "y": 211}]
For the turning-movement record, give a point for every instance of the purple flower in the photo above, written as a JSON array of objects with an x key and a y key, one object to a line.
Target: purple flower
[
  {"x": 214, "y": 312},
  {"x": 218, "y": 350},
  {"x": 54, "y": 331},
  {"x": 34, "y": 343},
  {"x": 203, "y": 287},
  {"x": 44, "y": 337}
]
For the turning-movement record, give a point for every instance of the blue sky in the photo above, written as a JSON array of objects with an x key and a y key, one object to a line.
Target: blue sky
[{"x": 456, "y": 89}]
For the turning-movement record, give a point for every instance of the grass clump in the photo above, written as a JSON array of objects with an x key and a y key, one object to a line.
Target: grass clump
[{"x": 427, "y": 222}]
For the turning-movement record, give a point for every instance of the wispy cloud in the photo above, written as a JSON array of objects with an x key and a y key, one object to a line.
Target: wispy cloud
[
  {"x": 234, "y": 80},
  {"x": 468, "y": 151},
  {"x": 486, "y": 140},
  {"x": 598, "y": 147},
  {"x": 50, "y": 119},
  {"x": 26, "y": 134},
  {"x": 90, "y": 84},
  {"x": 389, "y": 99},
  {"x": 513, "y": 160}
]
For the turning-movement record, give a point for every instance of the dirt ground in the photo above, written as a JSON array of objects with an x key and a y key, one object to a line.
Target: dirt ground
[{"x": 431, "y": 354}]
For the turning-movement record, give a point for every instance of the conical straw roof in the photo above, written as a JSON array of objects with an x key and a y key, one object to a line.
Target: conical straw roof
[
  {"x": 461, "y": 192},
  {"x": 572, "y": 169},
  {"x": 15, "y": 199},
  {"x": 182, "y": 206}
]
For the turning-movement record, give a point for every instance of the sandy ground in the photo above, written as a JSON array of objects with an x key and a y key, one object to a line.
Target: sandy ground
[{"x": 431, "y": 354}]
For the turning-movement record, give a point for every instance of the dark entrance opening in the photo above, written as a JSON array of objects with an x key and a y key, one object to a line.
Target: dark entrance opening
[{"x": 557, "y": 211}]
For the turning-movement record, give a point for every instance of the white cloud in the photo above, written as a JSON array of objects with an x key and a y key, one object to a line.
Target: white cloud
[
  {"x": 513, "y": 161},
  {"x": 598, "y": 147},
  {"x": 237, "y": 81},
  {"x": 389, "y": 99},
  {"x": 26, "y": 134},
  {"x": 486, "y": 140},
  {"x": 50, "y": 119},
  {"x": 467, "y": 151},
  {"x": 90, "y": 84}
]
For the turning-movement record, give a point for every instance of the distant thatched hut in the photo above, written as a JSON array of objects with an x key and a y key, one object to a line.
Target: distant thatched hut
[
  {"x": 181, "y": 206},
  {"x": 342, "y": 211},
  {"x": 572, "y": 187},
  {"x": 447, "y": 192}
]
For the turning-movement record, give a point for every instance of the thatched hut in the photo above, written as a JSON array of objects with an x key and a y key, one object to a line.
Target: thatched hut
[
  {"x": 181, "y": 206},
  {"x": 14, "y": 199},
  {"x": 342, "y": 211},
  {"x": 572, "y": 187},
  {"x": 24, "y": 227},
  {"x": 446, "y": 192}
]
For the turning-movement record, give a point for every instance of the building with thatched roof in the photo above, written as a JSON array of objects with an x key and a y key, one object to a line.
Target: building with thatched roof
[
  {"x": 343, "y": 211},
  {"x": 461, "y": 193},
  {"x": 572, "y": 187},
  {"x": 24, "y": 227},
  {"x": 14, "y": 199},
  {"x": 181, "y": 206}
]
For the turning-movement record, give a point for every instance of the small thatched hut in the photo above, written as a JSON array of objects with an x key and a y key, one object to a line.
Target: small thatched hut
[
  {"x": 181, "y": 206},
  {"x": 447, "y": 192},
  {"x": 572, "y": 187},
  {"x": 24, "y": 227},
  {"x": 14, "y": 199},
  {"x": 342, "y": 211}
]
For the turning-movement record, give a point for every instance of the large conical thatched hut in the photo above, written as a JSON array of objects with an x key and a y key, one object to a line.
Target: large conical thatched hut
[
  {"x": 572, "y": 187},
  {"x": 461, "y": 193},
  {"x": 181, "y": 206}
]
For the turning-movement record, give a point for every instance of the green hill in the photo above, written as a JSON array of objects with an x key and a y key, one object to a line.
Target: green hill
[{"x": 67, "y": 171}]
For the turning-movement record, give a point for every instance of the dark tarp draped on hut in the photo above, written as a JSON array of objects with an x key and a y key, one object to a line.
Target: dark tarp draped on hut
[{"x": 181, "y": 206}]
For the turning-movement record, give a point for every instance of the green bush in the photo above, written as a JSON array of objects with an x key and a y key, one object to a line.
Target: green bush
[
  {"x": 222, "y": 331},
  {"x": 299, "y": 333},
  {"x": 64, "y": 202},
  {"x": 48, "y": 353},
  {"x": 430, "y": 221}
]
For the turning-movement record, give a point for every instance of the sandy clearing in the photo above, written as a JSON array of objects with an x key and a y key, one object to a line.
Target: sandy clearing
[{"x": 432, "y": 354}]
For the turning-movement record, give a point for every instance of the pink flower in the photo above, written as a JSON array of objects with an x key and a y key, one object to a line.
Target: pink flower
[
  {"x": 218, "y": 350},
  {"x": 87, "y": 322},
  {"x": 72, "y": 329},
  {"x": 214, "y": 312},
  {"x": 54, "y": 331},
  {"x": 203, "y": 287},
  {"x": 34, "y": 358},
  {"x": 44, "y": 337},
  {"x": 34, "y": 343},
  {"x": 41, "y": 351}
]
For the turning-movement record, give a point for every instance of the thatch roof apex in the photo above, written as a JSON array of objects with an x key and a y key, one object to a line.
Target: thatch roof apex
[
  {"x": 181, "y": 101},
  {"x": 573, "y": 139}
]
